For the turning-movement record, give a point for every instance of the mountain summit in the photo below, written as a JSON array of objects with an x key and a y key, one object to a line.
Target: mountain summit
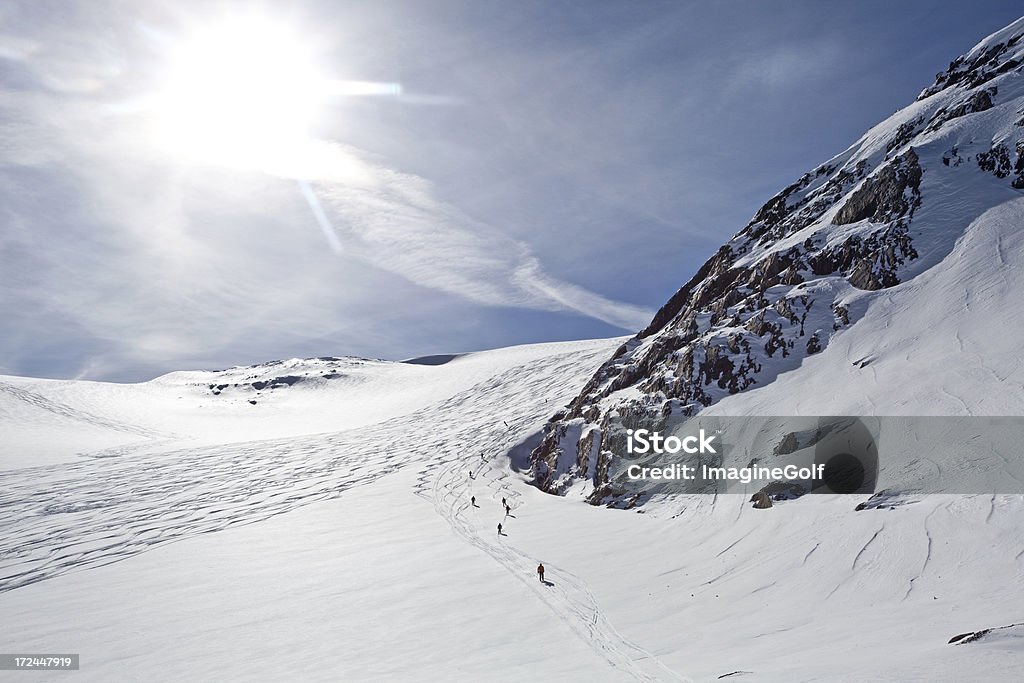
[{"x": 882, "y": 282}]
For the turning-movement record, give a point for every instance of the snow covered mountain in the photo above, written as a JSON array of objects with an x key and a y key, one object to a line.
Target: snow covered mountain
[
  {"x": 355, "y": 544},
  {"x": 883, "y": 282},
  {"x": 336, "y": 519}
]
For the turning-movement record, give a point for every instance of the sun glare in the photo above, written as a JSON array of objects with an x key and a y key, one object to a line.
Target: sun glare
[{"x": 246, "y": 94}]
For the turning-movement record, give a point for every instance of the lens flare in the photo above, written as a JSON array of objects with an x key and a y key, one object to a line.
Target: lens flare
[{"x": 239, "y": 94}]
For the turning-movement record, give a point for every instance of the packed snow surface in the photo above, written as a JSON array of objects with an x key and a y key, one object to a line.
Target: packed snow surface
[
  {"x": 315, "y": 520},
  {"x": 194, "y": 543}
]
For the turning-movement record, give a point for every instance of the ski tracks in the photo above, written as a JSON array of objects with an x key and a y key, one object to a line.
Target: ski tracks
[
  {"x": 72, "y": 516},
  {"x": 570, "y": 600},
  {"x": 101, "y": 510}
]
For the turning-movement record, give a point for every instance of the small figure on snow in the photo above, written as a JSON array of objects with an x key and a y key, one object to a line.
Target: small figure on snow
[
  {"x": 508, "y": 510},
  {"x": 472, "y": 500},
  {"x": 499, "y": 528},
  {"x": 540, "y": 572}
]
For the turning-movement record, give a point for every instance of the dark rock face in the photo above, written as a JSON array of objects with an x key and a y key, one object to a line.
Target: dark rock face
[
  {"x": 976, "y": 70},
  {"x": 973, "y": 102},
  {"x": 884, "y": 197},
  {"x": 715, "y": 336},
  {"x": 974, "y": 636},
  {"x": 997, "y": 162}
]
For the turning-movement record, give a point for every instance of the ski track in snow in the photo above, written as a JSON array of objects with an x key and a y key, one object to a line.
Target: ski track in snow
[
  {"x": 856, "y": 559},
  {"x": 570, "y": 599},
  {"x": 59, "y": 518},
  {"x": 64, "y": 410},
  {"x": 103, "y": 509},
  {"x": 927, "y": 555}
]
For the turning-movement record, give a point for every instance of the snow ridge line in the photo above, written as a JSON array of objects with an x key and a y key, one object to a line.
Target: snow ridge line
[
  {"x": 64, "y": 410},
  {"x": 69, "y": 517}
]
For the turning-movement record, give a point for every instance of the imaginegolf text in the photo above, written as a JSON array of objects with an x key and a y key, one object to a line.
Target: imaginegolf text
[{"x": 743, "y": 475}]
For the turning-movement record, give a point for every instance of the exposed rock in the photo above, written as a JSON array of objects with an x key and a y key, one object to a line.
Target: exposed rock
[
  {"x": 980, "y": 100},
  {"x": 974, "y": 636},
  {"x": 883, "y": 197},
  {"x": 769, "y": 298},
  {"x": 789, "y": 444},
  {"x": 996, "y": 161},
  {"x": 977, "y": 70},
  {"x": 904, "y": 134}
]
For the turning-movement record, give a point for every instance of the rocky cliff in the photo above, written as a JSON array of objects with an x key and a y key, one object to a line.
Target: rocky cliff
[{"x": 884, "y": 211}]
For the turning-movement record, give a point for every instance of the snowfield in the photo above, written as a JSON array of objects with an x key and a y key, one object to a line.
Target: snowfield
[
  {"x": 207, "y": 549},
  {"x": 314, "y": 519}
]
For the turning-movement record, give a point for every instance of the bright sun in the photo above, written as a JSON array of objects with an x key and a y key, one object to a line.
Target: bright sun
[{"x": 243, "y": 94}]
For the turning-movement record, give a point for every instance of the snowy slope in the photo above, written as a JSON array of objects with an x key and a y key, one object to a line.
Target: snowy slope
[
  {"x": 358, "y": 555},
  {"x": 174, "y": 530},
  {"x": 946, "y": 342},
  {"x": 884, "y": 282},
  {"x": 49, "y": 421}
]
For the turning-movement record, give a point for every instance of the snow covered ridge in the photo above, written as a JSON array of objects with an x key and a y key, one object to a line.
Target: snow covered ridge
[
  {"x": 47, "y": 422},
  {"x": 251, "y": 381},
  {"x": 919, "y": 210}
]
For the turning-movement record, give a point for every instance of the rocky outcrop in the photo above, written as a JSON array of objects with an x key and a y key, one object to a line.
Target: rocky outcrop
[
  {"x": 894, "y": 192},
  {"x": 773, "y": 295},
  {"x": 740, "y": 321},
  {"x": 977, "y": 68},
  {"x": 1010, "y": 630}
]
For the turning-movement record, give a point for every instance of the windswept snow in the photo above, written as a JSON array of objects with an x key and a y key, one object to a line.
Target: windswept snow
[
  {"x": 49, "y": 421},
  {"x": 312, "y": 519},
  {"x": 356, "y": 555},
  {"x": 897, "y": 360}
]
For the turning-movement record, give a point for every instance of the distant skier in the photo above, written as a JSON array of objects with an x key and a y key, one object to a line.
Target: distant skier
[
  {"x": 472, "y": 500},
  {"x": 540, "y": 572},
  {"x": 508, "y": 510},
  {"x": 471, "y": 474},
  {"x": 503, "y": 502},
  {"x": 499, "y": 528}
]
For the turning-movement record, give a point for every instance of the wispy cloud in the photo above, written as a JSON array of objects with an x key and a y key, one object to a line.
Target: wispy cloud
[
  {"x": 790, "y": 66},
  {"x": 138, "y": 256},
  {"x": 393, "y": 220}
]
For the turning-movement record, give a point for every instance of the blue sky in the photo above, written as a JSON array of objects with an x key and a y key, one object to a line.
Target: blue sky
[{"x": 550, "y": 170}]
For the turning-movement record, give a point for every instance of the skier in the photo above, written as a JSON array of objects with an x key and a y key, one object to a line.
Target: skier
[
  {"x": 472, "y": 500},
  {"x": 471, "y": 474},
  {"x": 540, "y": 572},
  {"x": 503, "y": 502},
  {"x": 508, "y": 510},
  {"x": 499, "y": 528}
]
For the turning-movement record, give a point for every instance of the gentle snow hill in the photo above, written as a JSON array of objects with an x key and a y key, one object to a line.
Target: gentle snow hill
[
  {"x": 51, "y": 421},
  {"x": 357, "y": 555},
  {"x": 400, "y": 578},
  {"x": 173, "y": 531}
]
